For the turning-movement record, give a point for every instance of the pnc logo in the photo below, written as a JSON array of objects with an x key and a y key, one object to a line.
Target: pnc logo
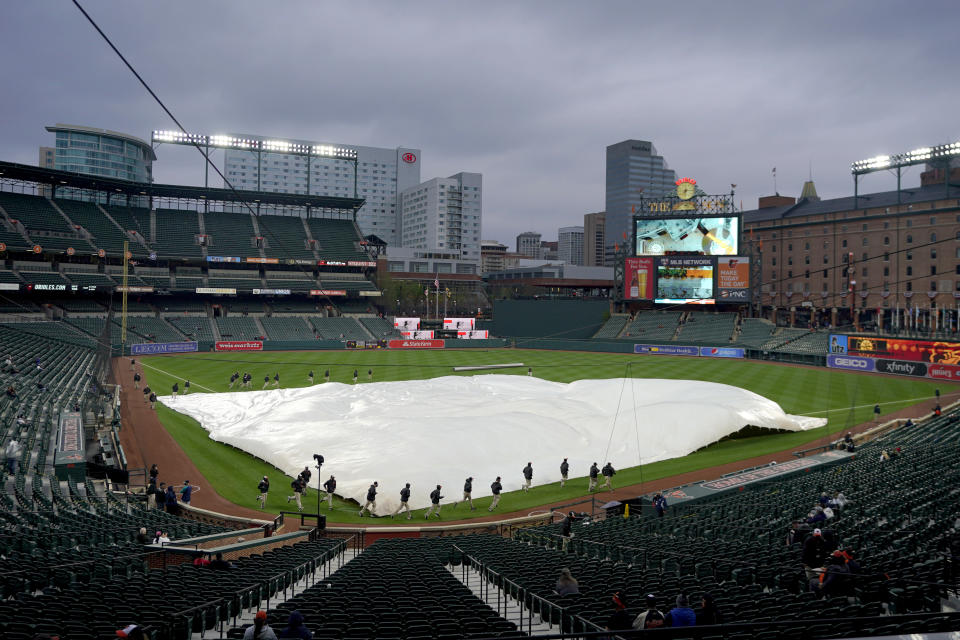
[{"x": 409, "y": 158}]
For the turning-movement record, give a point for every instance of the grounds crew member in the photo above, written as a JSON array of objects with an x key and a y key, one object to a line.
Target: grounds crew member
[
  {"x": 153, "y": 400},
  {"x": 297, "y": 486},
  {"x": 326, "y": 376},
  {"x": 266, "y": 380},
  {"x": 468, "y": 493},
  {"x": 264, "y": 488},
  {"x": 186, "y": 387},
  {"x": 608, "y": 472},
  {"x": 356, "y": 374},
  {"x": 435, "y": 498},
  {"x": 594, "y": 472},
  {"x": 136, "y": 380},
  {"x": 310, "y": 376},
  {"x": 371, "y": 503},
  {"x": 404, "y": 498},
  {"x": 233, "y": 379},
  {"x": 330, "y": 486},
  {"x": 527, "y": 476},
  {"x": 564, "y": 469},
  {"x": 495, "y": 488},
  {"x": 175, "y": 388},
  {"x": 306, "y": 474},
  {"x": 146, "y": 394},
  {"x": 276, "y": 380}
]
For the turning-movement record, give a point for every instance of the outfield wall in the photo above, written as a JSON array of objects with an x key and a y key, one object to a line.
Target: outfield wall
[{"x": 568, "y": 319}]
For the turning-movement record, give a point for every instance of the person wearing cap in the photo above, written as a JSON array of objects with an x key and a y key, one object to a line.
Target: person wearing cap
[
  {"x": 259, "y": 630},
  {"x": 567, "y": 585},
  {"x": 186, "y": 492},
  {"x": 564, "y": 470},
  {"x": 136, "y": 381},
  {"x": 681, "y": 615},
  {"x": 371, "y": 503},
  {"x": 620, "y": 619},
  {"x": 660, "y": 504},
  {"x": 264, "y": 488},
  {"x": 527, "y": 476},
  {"x": 814, "y": 552},
  {"x": 330, "y": 486},
  {"x": 594, "y": 472},
  {"x": 153, "y": 400},
  {"x": 652, "y": 618},
  {"x": 132, "y": 631},
  {"x": 495, "y": 489},
  {"x": 404, "y": 499},
  {"x": 468, "y": 493},
  {"x": 435, "y": 498},
  {"x": 833, "y": 577},
  {"x": 608, "y": 472},
  {"x": 295, "y": 627}
]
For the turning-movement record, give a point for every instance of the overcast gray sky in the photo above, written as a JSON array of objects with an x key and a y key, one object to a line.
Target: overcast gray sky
[{"x": 527, "y": 93}]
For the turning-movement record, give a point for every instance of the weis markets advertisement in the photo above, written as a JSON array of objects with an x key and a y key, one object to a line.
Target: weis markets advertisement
[{"x": 239, "y": 345}]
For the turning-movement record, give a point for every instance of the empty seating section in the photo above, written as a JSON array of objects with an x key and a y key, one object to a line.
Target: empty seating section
[
  {"x": 176, "y": 234},
  {"x": 53, "y": 331},
  {"x": 379, "y": 327},
  {"x": 230, "y": 234},
  {"x": 714, "y": 328},
  {"x": 9, "y": 277},
  {"x": 93, "y": 326},
  {"x": 80, "y": 305},
  {"x": 612, "y": 327},
  {"x": 148, "y": 329},
  {"x": 43, "y": 223},
  {"x": 132, "y": 219},
  {"x": 295, "y": 328},
  {"x": 106, "y": 235},
  {"x": 336, "y": 239},
  {"x": 396, "y": 589},
  {"x": 238, "y": 328},
  {"x": 245, "y": 306},
  {"x": 293, "y": 306},
  {"x": 782, "y": 335},
  {"x": 241, "y": 280},
  {"x": 193, "y": 327},
  {"x": 89, "y": 279},
  {"x": 189, "y": 282},
  {"x": 339, "y": 329},
  {"x": 754, "y": 332},
  {"x": 179, "y": 305},
  {"x": 285, "y": 237},
  {"x": 42, "y": 277},
  {"x": 293, "y": 280},
  {"x": 653, "y": 325},
  {"x": 809, "y": 342}
]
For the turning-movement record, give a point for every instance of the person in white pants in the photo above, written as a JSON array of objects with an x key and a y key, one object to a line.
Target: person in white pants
[
  {"x": 404, "y": 498},
  {"x": 468, "y": 493},
  {"x": 330, "y": 486},
  {"x": 495, "y": 488},
  {"x": 594, "y": 472},
  {"x": 564, "y": 469},
  {"x": 371, "y": 503},
  {"x": 527, "y": 476},
  {"x": 435, "y": 498}
]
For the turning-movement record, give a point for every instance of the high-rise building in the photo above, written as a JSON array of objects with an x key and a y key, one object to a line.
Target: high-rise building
[
  {"x": 634, "y": 170},
  {"x": 570, "y": 245},
  {"x": 492, "y": 255},
  {"x": 99, "y": 152},
  {"x": 528, "y": 244},
  {"x": 593, "y": 239},
  {"x": 381, "y": 174},
  {"x": 444, "y": 214}
]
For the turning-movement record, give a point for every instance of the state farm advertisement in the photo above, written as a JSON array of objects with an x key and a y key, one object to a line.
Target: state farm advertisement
[
  {"x": 239, "y": 345},
  {"x": 733, "y": 279},
  {"x": 415, "y": 344}
]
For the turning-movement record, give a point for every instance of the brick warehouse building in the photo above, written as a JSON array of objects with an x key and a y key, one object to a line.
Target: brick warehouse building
[{"x": 904, "y": 247}]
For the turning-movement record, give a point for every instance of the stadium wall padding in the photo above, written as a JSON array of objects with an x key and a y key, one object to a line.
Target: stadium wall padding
[{"x": 567, "y": 319}]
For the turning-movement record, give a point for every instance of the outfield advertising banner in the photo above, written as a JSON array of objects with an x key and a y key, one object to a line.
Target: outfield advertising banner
[
  {"x": 666, "y": 349},
  {"x": 639, "y": 275},
  {"x": 416, "y": 344},
  {"x": 943, "y": 371},
  {"x": 476, "y": 334},
  {"x": 722, "y": 352},
  {"x": 733, "y": 279},
  {"x": 853, "y": 363},
  {"x": 929, "y": 351},
  {"x": 902, "y": 368},
  {"x": 148, "y": 348},
  {"x": 459, "y": 324},
  {"x": 419, "y": 334},
  {"x": 406, "y": 324},
  {"x": 239, "y": 345}
]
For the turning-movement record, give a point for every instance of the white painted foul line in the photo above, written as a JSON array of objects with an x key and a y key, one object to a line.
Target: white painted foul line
[{"x": 167, "y": 373}]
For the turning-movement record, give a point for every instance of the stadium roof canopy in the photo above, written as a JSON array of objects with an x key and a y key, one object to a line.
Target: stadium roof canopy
[{"x": 58, "y": 179}]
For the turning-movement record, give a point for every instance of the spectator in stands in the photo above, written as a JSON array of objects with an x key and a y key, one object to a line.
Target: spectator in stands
[
  {"x": 171, "y": 499},
  {"x": 527, "y": 476},
  {"x": 620, "y": 619},
  {"x": 152, "y": 494},
  {"x": 371, "y": 503},
  {"x": 136, "y": 381},
  {"x": 297, "y": 486},
  {"x": 142, "y": 537},
  {"x": 310, "y": 376},
  {"x": 295, "y": 627},
  {"x": 153, "y": 400},
  {"x": 330, "y": 486},
  {"x": 816, "y": 516},
  {"x": 12, "y": 453},
  {"x": 884, "y": 456},
  {"x": 608, "y": 472},
  {"x": 652, "y": 618},
  {"x": 186, "y": 492},
  {"x": 161, "y": 496},
  {"x": 201, "y": 562},
  {"x": 848, "y": 442},
  {"x": 495, "y": 488},
  {"x": 132, "y": 632},
  {"x": 681, "y": 615},
  {"x": 659, "y": 504},
  {"x": 566, "y": 529},
  {"x": 567, "y": 585},
  {"x": 162, "y": 537},
  {"x": 175, "y": 388},
  {"x": 814, "y": 551},
  {"x": 435, "y": 499},
  {"x": 908, "y": 423},
  {"x": 11, "y": 392},
  {"x": 259, "y": 630},
  {"x": 708, "y": 613},
  {"x": 594, "y": 472},
  {"x": 468, "y": 493},
  {"x": 264, "y": 488},
  {"x": 937, "y": 410},
  {"x": 833, "y": 577},
  {"x": 404, "y": 499},
  {"x": 564, "y": 470},
  {"x": 219, "y": 564},
  {"x": 792, "y": 533}
]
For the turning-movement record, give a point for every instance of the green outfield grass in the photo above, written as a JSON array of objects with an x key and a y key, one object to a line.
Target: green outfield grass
[{"x": 844, "y": 398}]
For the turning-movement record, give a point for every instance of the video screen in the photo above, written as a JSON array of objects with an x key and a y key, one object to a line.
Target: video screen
[
  {"x": 711, "y": 236},
  {"x": 685, "y": 281}
]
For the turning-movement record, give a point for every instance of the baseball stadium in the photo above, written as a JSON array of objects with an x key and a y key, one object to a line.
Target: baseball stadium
[{"x": 185, "y": 374}]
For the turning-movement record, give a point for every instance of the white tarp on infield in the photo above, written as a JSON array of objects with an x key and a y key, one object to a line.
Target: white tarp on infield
[{"x": 440, "y": 431}]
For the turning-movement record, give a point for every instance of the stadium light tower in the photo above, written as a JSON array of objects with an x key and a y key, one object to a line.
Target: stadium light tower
[
  {"x": 259, "y": 146},
  {"x": 940, "y": 154}
]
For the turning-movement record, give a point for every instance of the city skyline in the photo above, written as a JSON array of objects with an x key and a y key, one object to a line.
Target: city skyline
[{"x": 743, "y": 91}]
